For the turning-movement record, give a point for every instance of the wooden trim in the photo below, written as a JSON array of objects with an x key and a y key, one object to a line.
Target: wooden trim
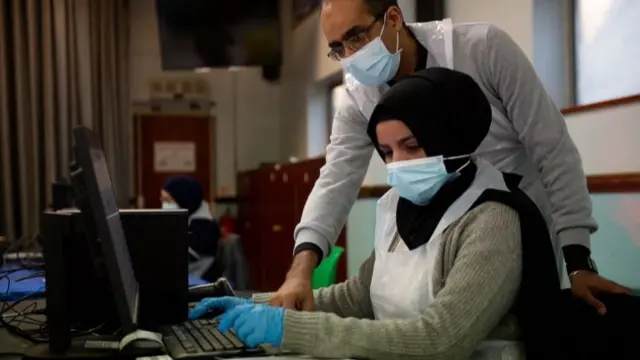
[
  {"x": 372, "y": 191},
  {"x": 614, "y": 183},
  {"x": 597, "y": 184},
  {"x": 602, "y": 105}
]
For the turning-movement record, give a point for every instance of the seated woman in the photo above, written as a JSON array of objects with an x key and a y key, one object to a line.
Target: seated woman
[
  {"x": 184, "y": 192},
  {"x": 447, "y": 276}
]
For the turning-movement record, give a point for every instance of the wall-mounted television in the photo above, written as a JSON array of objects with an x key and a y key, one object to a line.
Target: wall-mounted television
[{"x": 215, "y": 33}]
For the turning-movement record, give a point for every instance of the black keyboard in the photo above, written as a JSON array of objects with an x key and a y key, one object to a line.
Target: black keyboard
[{"x": 201, "y": 339}]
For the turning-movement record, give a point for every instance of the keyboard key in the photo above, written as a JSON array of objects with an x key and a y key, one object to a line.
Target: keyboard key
[
  {"x": 204, "y": 344},
  {"x": 223, "y": 340},
  {"x": 234, "y": 339},
  {"x": 209, "y": 336}
]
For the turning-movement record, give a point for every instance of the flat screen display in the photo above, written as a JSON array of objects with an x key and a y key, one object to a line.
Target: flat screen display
[
  {"x": 106, "y": 216},
  {"x": 211, "y": 33}
]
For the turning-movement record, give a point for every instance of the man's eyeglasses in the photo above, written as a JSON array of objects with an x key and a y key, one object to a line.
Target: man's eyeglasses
[{"x": 354, "y": 43}]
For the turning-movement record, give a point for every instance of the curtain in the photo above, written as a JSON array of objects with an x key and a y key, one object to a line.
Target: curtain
[{"x": 62, "y": 63}]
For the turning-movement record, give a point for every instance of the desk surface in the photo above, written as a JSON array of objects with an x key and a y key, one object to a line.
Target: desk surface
[{"x": 12, "y": 347}]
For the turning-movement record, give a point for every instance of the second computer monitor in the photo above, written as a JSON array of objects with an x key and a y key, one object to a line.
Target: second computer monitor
[{"x": 92, "y": 162}]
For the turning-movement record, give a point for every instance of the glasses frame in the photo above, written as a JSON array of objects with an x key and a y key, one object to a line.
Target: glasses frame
[{"x": 334, "y": 55}]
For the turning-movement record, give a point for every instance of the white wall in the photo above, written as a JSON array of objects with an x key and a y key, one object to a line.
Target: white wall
[
  {"x": 514, "y": 16},
  {"x": 607, "y": 139},
  {"x": 242, "y": 98}
]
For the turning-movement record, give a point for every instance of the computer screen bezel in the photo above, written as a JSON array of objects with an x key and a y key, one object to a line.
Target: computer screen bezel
[{"x": 86, "y": 140}]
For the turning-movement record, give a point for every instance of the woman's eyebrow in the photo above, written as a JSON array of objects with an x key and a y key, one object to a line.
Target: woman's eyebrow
[{"x": 406, "y": 138}]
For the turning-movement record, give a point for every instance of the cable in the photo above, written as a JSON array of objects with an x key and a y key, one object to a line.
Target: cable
[
  {"x": 11, "y": 317},
  {"x": 22, "y": 317},
  {"x": 38, "y": 274}
]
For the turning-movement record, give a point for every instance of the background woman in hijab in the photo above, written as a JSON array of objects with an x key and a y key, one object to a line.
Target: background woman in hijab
[
  {"x": 183, "y": 192},
  {"x": 439, "y": 283}
]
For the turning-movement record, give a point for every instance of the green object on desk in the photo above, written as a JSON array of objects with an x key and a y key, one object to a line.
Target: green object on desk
[{"x": 325, "y": 274}]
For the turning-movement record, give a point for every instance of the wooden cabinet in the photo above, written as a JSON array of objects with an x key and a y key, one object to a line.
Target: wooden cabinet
[{"x": 271, "y": 201}]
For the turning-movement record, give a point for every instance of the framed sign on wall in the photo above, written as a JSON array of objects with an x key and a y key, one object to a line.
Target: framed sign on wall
[{"x": 302, "y": 9}]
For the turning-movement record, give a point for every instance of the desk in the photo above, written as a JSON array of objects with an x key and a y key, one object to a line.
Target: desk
[{"x": 11, "y": 346}]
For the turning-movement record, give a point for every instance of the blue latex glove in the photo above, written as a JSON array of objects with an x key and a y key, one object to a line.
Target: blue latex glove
[
  {"x": 223, "y": 304},
  {"x": 255, "y": 324}
]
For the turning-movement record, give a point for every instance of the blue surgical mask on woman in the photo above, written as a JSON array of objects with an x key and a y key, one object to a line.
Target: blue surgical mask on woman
[
  {"x": 374, "y": 65},
  {"x": 418, "y": 180}
]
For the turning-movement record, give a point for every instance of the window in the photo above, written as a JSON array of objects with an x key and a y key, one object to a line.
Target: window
[{"x": 607, "y": 49}]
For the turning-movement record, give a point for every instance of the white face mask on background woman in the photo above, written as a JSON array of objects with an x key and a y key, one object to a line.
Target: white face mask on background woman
[{"x": 170, "y": 205}]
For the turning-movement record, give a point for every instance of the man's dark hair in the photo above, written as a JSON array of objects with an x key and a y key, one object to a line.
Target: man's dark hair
[{"x": 379, "y": 7}]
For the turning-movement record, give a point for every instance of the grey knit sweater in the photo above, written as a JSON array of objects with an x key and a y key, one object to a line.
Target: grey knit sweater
[{"x": 477, "y": 279}]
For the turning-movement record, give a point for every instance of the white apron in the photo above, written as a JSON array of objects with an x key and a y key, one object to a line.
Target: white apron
[{"x": 402, "y": 283}]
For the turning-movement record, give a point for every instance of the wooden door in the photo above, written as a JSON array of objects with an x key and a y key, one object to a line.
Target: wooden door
[
  {"x": 278, "y": 210},
  {"x": 168, "y": 145},
  {"x": 251, "y": 225}
]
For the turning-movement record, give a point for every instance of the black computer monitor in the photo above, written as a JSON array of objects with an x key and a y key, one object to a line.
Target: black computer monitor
[{"x": 101, "y": 197}]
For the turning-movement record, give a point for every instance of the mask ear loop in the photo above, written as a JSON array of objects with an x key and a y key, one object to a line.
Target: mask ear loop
[
  {"x": 458, "y": 157},
  {"x": 384, "y": 24}
]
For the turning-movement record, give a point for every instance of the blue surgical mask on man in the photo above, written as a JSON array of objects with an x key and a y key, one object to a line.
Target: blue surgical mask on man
[
  {"x": 374, "y": 65},
  {"x": 419, "y": 180}
]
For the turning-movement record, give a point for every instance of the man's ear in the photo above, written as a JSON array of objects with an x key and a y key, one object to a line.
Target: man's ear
[{"x": 395, "y": 18}]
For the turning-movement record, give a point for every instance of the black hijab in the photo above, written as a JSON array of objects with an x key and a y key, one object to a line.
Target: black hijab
[{"x": 449, "y": 115}]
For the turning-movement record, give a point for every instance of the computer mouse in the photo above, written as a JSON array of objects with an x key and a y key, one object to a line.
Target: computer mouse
[
  {"x": 143, "y": 347},
  {"x": 219, "y": 288}
]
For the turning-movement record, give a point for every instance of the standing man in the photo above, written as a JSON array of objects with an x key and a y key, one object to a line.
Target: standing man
[{"x": 528, "y": 135}]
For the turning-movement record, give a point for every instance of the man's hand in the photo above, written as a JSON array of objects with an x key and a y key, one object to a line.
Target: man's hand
[
  {"x": 295, "y": 293},
  {"x": 588, "y": 285}
]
